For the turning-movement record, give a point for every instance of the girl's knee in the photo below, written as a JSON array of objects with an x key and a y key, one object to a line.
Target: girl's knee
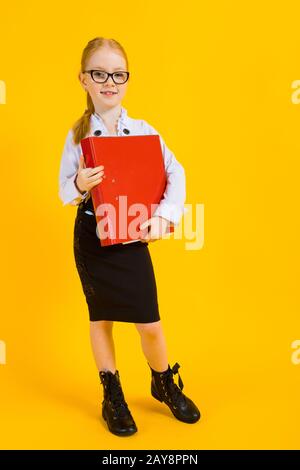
[{"x": 149, "y": 329}]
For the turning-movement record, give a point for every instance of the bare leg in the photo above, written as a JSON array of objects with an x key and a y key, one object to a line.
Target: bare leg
[
  {"x": 103, "y": 344},
  {"x": 153, "y": 344}
]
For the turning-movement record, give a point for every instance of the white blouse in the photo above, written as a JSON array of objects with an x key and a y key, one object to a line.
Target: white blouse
[{"x": 171, "y": 206}]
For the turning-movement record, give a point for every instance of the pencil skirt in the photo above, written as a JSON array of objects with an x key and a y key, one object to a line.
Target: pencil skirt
[{"x": 118, "y": 281}]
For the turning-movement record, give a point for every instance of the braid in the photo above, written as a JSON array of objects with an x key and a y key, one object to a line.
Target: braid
[{"x": 82, "y": 127}]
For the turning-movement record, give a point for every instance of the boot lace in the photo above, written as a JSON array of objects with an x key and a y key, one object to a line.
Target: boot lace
[
  {"x": 175, "y": 391},
  {"x": 117, "y": 399}
]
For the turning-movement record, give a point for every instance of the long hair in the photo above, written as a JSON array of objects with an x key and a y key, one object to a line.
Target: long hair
[{"x": 82, "y": 126}]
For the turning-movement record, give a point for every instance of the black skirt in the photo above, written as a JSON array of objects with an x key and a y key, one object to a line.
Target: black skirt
[{"x": 118, "y": 281}]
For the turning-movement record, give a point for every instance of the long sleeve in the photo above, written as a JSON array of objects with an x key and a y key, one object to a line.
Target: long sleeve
[
  {"x": 171, "y": 206},
  {"x": 68, "y": 192}
]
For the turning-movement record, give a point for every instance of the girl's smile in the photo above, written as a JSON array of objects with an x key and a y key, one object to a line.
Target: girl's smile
[{"x": 109, "y": 93}]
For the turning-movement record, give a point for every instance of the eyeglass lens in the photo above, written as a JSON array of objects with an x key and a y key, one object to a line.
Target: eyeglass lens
[{"x": 99, "y": 76}]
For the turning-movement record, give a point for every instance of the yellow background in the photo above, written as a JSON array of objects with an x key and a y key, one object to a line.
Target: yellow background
[{"x": 215, "y": 79}]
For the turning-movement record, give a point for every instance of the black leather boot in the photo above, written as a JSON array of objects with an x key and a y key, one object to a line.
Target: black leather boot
[
  {"x": 115, "y": 410},
  {"x": 165, "y": 390}
]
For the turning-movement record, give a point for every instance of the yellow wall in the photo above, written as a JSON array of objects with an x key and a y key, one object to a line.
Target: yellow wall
[{"x": 219, "y": 82}]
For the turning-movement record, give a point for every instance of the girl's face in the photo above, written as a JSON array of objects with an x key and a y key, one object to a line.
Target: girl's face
[{"x": 107, "y": 60}]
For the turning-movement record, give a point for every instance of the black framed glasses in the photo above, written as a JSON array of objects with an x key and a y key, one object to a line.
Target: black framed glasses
[{"x": 99, "y": 76}]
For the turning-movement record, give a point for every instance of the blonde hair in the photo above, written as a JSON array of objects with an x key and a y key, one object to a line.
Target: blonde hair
[{"x": 82, "y": 126}]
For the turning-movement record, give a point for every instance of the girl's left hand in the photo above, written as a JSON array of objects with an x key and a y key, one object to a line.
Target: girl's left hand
[{"x": 158, "y": 228}]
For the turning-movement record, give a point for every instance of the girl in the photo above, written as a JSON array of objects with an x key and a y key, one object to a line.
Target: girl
[{"x": 118, "y": 281}]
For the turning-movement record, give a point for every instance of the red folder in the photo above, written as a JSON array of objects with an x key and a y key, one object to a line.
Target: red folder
[{"x": 133, "y": 185}]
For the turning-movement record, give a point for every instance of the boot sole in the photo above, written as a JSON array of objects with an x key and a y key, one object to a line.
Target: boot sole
[
  {"x": 125, "y": 433},
  {"x": 154, "y": 394}
]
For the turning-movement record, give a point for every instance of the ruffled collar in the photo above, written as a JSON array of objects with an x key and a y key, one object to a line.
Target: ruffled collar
[{"x": 98, "y": 123}]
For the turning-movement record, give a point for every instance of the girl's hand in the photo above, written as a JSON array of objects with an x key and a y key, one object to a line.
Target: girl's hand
[
  {"x": 88, "y": 177},
  {"x": 158, "y": 228}
]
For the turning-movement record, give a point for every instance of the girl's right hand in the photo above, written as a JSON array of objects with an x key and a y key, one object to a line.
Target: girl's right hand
[{"x": 88, "y": 177}]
